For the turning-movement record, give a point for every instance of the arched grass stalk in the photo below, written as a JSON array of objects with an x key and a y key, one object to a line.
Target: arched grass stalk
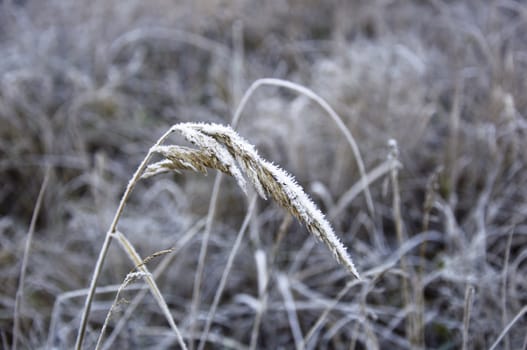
[{"x": 327, "y": 108}]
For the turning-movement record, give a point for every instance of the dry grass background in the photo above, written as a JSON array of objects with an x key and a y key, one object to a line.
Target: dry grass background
[{"x": 86, "y": 91}]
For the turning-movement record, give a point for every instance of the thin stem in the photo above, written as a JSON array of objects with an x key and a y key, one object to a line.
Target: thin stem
[
  {"x": 66, "y": 296},
  {"x": 140, "y": 265},
  {"x": 264, "y": 287},
  {"x": 203, "y": 254},
  {"x": 107, "y": 240},
  {"x": 290, "y": 309},
  {"x": 226, "y": 272},
  {"x": 509, "y": 326},
  {"x": 181, "y": 243},
  {"x": 397, "y": 217},
  {"x": 326, "y": 312},
  {"x": 504, "y": 315},
  {"x": 128, "y": 279},
  {"x": 469, "y": 294},
  {"x": 23, "y": 269}
]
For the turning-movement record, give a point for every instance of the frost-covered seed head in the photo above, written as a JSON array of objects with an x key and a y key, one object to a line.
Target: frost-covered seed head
[{"x": 221, "y": 148}]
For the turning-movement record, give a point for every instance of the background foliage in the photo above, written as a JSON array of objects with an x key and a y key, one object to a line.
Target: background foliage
[{"x": 86, "y": 90}]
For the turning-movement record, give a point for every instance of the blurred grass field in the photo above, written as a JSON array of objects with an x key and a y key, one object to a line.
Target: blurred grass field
[{"x": 86, "y": 89}]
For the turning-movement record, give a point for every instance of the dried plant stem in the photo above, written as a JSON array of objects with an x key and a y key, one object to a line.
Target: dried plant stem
[
  {"x": 140, "y": 265},
  {"x": 509, "y": 326},
  {"x": 469, "y": 294},
  {"x": 364, "y": 322},
  {"x": 132, "y": 276},
  {"x": 108, "y": 239},
  {"x": 326, "y": 312},
  {"x": 258, "y": 318},
  {"x": 226, "y": 271},
  {"x": 504, "y": 316},
  {"x": 419, "y": 317},
  {"x": 430, "y": 197},
  {"x": 23, "y": 268},
  {"x": 181, "y": 243},
  {"x": 407, "y": 300},
  {"x": 202, "y": 255},
  {"x": 62, "y": 298},
  {"x": 289, "y": 303},
  {"x": 418, "y": 313},
  {"x": 453, "y": 140},
  {"x": 264, "y": 279}
]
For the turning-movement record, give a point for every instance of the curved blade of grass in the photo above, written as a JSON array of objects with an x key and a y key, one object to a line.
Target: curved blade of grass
[
  {"x": 322, "y": 103},
  {"x": 23, "y": 269}
]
